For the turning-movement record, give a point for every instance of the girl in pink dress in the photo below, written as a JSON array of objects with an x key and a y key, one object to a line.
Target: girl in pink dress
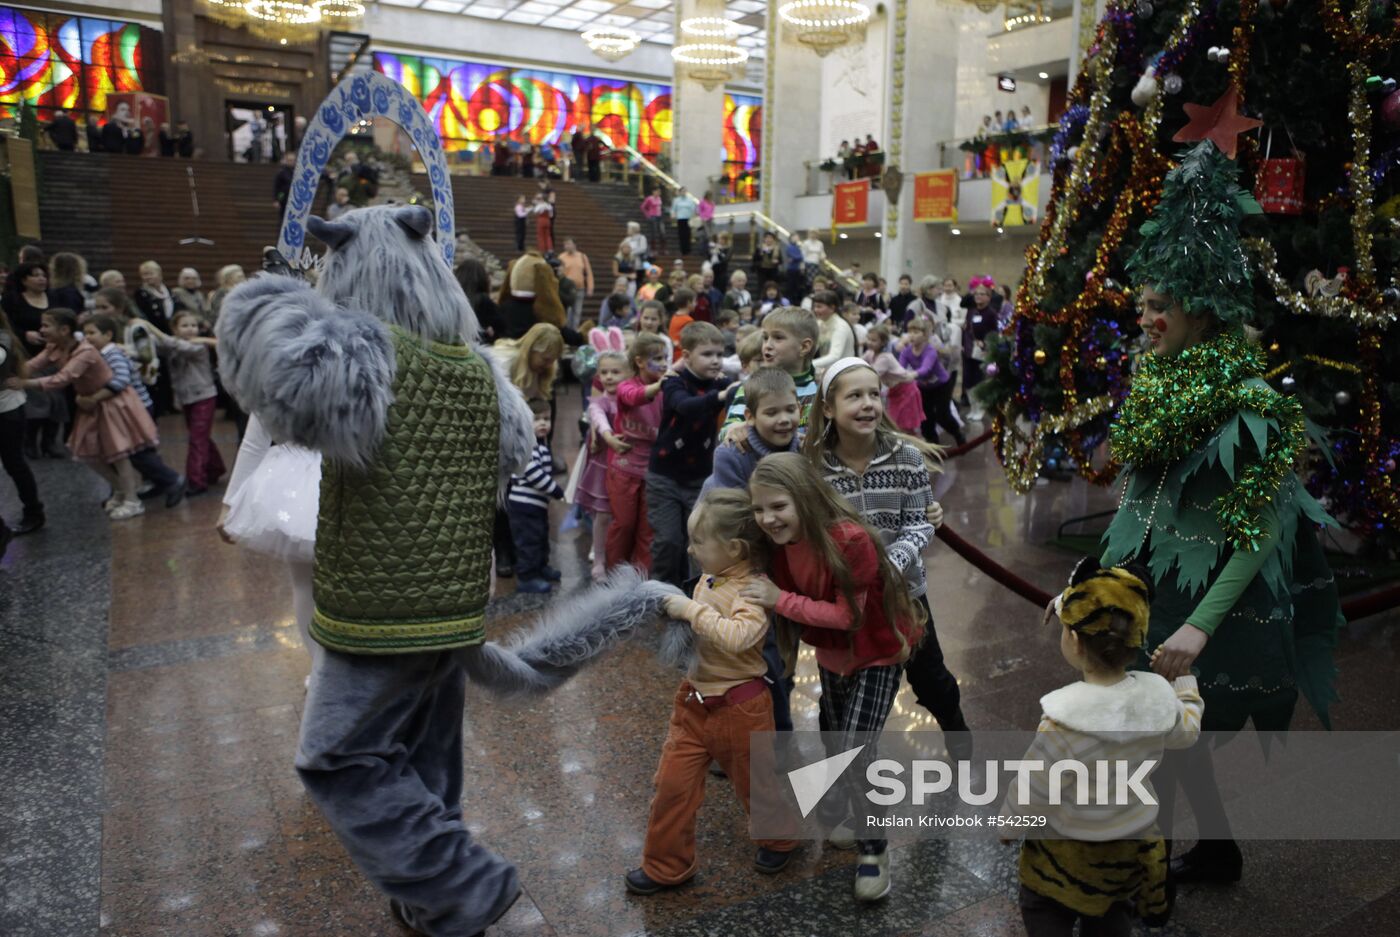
[
  {"x": 104, "y": 434},
  {"x": 592, "y": 490},
  {"x": 903, "y": 402}
]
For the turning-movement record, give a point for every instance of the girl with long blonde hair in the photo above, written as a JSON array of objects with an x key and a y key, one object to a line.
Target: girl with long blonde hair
[
  {"x": 884, "y": 475},
  {"x": 829, "y": 574}
]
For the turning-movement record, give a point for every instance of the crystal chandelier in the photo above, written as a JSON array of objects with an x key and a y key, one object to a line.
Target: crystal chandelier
[
  {"x": 611, "y": 42},
  {"x": 287, "y": 22},
  {"x": 709, "y": 52},
  {"x": 823, "y": 25}
]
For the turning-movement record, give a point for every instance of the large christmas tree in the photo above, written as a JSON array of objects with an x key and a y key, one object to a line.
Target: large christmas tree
[{"x": 1305, "y": 95}]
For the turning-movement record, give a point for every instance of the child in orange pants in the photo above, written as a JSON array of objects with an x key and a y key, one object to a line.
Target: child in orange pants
[{"x": 723, "y": 699}]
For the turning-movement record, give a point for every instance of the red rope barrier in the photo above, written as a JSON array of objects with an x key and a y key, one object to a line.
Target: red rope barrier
[
  {"x": 1382, "y": 600},
  {"x": 1033, "y": 594},
  {"x": 1372, "y": 603},
  {"x": 967, "y": 447}
]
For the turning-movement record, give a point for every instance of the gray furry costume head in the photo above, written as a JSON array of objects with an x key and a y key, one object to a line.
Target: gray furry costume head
[{"x": 384, "y": 260}]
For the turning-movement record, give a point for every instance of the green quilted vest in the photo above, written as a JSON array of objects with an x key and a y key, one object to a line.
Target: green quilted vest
[{"x": 403, "y": 547}]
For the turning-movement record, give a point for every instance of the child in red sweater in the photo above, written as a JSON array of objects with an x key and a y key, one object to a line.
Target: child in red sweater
[
  {"x": 629, "y": 452},
  {"x": 829, "y": 574}
]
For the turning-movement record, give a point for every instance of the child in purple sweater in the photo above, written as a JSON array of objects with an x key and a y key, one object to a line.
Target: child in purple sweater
[{"x": 921, "y": 357}]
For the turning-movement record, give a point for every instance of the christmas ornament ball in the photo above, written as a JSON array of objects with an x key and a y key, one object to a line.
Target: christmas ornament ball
[
  {"x": 992, "y": 369},
  {"x": 1390, "y": 465},
  {"x": 1390, "y": 109},
  {"x": 1342, "y": 398},
  {"x": 1040, "y": 356},
  {"x": 1288, "y": 382},
  {"x": 1173, "y": 84},
  {"x": 1273, "y": 348}
]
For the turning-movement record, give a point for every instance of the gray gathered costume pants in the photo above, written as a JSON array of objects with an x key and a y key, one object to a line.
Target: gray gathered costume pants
[{"x": 381, "y": 755}]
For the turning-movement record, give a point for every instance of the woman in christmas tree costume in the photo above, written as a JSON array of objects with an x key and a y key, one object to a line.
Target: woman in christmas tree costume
[{"x": 1210, "y": 502}]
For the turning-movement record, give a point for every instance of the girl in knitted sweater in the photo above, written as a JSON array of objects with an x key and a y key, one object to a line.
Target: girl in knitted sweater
[
  {"x": 884, "y": 475},
  {"x": 830, "y": 575}
]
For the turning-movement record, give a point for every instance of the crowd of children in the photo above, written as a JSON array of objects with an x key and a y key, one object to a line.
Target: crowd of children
[
  {"x": 774, "y": 462},
  {"x": 86, "y": 362}
]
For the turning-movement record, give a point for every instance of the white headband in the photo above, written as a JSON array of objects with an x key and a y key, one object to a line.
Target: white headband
[{"x": 841, "y": 364}]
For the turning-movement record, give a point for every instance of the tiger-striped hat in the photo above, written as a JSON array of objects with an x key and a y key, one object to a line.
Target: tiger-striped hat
[{"x": 1096, "y": 593}]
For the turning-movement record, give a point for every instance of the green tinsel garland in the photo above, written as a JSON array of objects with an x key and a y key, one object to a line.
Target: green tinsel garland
[{"x": 1176, "y": 403}]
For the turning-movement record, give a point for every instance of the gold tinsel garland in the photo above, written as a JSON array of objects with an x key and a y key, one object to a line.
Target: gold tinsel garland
[
  {"x": 1177, "y": 403},
  {"x": 1332, "y": 307},
  {"x": 1023, "y": 455}
]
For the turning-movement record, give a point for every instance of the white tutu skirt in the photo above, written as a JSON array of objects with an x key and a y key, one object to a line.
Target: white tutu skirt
[{"x": 274, "y": 512}]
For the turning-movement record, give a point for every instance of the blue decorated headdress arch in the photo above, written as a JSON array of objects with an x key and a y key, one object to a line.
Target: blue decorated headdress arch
[{"x": 354, "y": 99}]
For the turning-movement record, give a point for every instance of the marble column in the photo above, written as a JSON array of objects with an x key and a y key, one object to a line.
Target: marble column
[
  {"x": 185, "y": 83},
  {"x": 922, "y": 109},
  {"x": 697, "y": 112},
  {"x": 792, "y": 115}
]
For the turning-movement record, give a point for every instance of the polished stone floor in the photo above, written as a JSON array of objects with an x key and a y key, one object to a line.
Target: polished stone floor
[{"x": 151, "y": 686}]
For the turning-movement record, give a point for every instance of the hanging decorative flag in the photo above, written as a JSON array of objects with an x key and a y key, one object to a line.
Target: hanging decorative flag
[
  {"x": 936, "y": 196},
  {"x": 1015, "y": 186},
  {"x": 850, "y": 206}
]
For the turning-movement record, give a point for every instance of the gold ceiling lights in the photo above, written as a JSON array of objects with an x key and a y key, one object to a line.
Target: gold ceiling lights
[
  {"x": 287, "y": 22},
  {"x": 708, "y": 51},
  {"x": 611, "y": 42},
  {"x": 1021, "y": 13},
  {"x": 824, "y": 25},
  {"x": 338, "y": 13}
]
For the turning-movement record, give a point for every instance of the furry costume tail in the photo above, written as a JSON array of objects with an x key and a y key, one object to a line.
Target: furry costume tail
[{"x": 569, "y": 634}]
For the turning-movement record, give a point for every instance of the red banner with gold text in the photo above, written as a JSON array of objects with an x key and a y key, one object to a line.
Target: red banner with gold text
[
  {"x": 850, "y": 205},
  {"x": 936, "y": 196}
]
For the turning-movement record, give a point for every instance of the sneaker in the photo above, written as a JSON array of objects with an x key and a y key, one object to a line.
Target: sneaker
[
  {"x": 532, "y": 585},
  {"x": 639, "y": 883},
  {"x": 770, "y": 861},
  {"x": 551, "y": 574},
  {"x": 147, "y": 487},
  {"x": 111, "y": 503},
  {"x": 873, "y": 876},
  {"x": 127, "y": 510},
  {"x": 176, "y": 492},
  {"x": 843, "y": 837}
]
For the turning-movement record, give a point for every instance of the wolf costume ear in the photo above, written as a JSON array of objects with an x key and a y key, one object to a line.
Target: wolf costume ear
[
  {"x": 416, "y": 220},
  {"x": 334, "y": 234}
]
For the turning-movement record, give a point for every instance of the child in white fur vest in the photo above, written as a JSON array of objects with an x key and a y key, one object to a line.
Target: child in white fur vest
[{"x": 1102, "y": 863}]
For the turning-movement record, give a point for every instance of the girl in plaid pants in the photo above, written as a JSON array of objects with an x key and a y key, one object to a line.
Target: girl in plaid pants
[{"x": 830, "y": 575}]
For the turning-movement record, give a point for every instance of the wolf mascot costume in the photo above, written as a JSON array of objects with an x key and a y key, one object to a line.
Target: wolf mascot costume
[{"x": 375, "y": 368}]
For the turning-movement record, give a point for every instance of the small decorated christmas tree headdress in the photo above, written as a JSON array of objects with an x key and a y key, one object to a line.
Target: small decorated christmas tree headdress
[{"x": 1191, "y": 245}]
